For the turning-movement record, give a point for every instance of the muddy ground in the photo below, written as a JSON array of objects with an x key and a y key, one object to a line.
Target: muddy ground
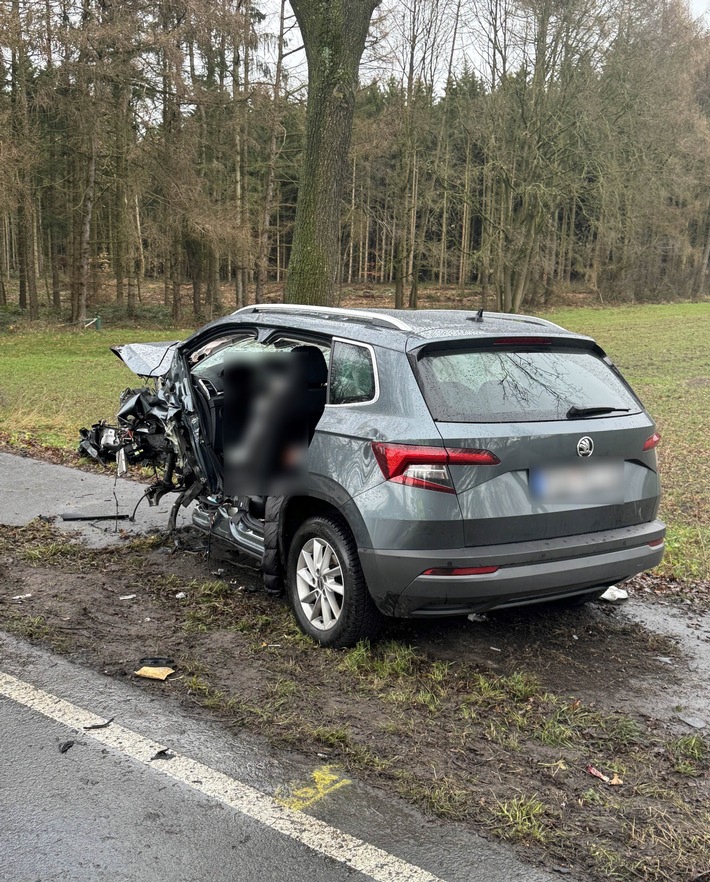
[{"x": 492, "y": 723}]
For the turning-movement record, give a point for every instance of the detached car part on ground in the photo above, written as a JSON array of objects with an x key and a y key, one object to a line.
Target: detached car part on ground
[{"x": 408, "y": 463}]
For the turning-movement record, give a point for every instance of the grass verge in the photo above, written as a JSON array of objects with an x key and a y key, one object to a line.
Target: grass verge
[{"x": 459, "y": 739}]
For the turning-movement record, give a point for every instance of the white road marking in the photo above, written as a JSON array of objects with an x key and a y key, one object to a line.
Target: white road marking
[{"x": 317, "y": 835}]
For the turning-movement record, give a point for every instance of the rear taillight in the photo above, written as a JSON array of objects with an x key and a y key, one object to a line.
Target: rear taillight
[
  {"x": 460, "y": 571},
  {"x": 426, "y": 467},
  {"x": 652, "y": 442},
  {"x": 655, "y": 543}
]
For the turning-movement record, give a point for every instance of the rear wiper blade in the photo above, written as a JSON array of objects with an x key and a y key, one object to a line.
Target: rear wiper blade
[{"x": 579, "y": 412}]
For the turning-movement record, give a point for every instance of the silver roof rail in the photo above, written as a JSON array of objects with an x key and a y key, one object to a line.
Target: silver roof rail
[{"x": 333, "y": 311}]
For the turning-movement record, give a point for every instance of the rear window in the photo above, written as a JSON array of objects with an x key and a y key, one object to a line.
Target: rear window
[{"x": 484, "y": 386}]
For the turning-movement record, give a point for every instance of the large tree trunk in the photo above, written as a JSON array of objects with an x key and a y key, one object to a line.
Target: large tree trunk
[{"x": 334, "y": 38}]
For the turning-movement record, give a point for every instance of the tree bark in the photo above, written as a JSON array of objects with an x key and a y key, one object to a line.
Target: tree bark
[
  {"x": 3, "y": 265},
  {"x": 85, "y": 236},
  {"x": 175, "y": 279},
  {"x": 334, "y": 36},
  {"x": 398, "y": 274},
  {"x": 698, "y": 288},
  {"x": 262, "y": 261},
  {"x": 131, "y": 301}
]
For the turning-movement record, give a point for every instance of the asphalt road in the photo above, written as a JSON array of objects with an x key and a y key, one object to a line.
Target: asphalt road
[
  {"x": 30, "y": 488},
  {"x": 104, "y": 810},
  {"x": 221, "y": 809}
]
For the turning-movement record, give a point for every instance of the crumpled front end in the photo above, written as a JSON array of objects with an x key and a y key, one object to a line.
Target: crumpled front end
[{"x": 148, "y": 429}]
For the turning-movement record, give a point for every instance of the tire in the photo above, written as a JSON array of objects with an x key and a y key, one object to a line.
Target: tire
[
  {"x": 271, "y": 563},
  {"x": 335, "y": 608}
]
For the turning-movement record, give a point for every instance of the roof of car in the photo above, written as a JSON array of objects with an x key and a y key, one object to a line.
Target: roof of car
[{"x": 397, "y": 328}]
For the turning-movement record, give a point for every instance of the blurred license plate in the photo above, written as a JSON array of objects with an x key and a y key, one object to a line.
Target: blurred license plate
[{"x": 592, "y": 483}]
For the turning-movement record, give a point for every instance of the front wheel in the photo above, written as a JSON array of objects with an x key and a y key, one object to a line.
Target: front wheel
[{"x": 326, "y": 585}]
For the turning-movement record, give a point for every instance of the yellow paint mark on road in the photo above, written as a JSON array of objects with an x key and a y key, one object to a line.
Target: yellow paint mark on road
[{"x": 298, "y": 796}]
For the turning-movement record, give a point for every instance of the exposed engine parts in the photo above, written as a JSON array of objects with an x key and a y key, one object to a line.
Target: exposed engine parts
[{"x": 139, "y": 435}]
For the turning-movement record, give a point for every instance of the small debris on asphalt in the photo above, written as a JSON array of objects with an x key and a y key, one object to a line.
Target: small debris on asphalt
[
  {"x": 22, "y": 597},
  {"x": 128, "y": 597},
  {"x": 615, "y": 595},
  {"x": 615, "y": 781},
  {"x": 665, "y": 659},
  {"x": 180, "y": 595},
  {"x": 694, "y": 722},
  {"x": 66, "y": 745},
  {"x": 477, "y": 617},
  {"x": 495, "y": 649},
  {"x": 99, "y": 725},
  {"x": 157, "y": 661},
  {"x": 151, "y": 673},
  {"x": 164, "y": 753}
]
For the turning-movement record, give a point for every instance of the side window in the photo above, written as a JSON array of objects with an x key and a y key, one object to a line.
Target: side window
[{"x": 352, "y": 374}]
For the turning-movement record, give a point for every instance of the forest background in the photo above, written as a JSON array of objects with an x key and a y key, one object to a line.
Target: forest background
[{"x": 508, "y": 149}]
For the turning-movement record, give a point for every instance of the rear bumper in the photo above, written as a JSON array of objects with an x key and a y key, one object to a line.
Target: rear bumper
[{"x": 529, "y": 572}]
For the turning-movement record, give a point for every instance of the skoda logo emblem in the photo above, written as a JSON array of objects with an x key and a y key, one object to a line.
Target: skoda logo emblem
[{"x": 585, "y": 446}]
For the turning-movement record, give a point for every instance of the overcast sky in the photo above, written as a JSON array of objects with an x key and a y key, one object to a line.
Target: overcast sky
[
  {"x": 372, "y": 67},
  {"x": 296, "y": 63}
]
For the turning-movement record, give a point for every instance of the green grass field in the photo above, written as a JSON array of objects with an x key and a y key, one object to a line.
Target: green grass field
[
  {"x": 52, "y": 382},
  {"x": 664, "y": 352}
]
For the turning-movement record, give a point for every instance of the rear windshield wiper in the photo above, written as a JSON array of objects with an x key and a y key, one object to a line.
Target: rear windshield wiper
[{"x": 575, "y": 413}]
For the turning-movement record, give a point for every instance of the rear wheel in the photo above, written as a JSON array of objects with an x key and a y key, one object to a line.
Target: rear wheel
[{"x": 326, "y": 585}]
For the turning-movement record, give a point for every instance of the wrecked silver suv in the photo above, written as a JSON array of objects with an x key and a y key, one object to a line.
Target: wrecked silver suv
[{"x": 408, "y": 463}]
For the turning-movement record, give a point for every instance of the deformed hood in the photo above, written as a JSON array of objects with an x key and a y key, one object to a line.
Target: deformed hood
[{"x": 147, "y": 359}]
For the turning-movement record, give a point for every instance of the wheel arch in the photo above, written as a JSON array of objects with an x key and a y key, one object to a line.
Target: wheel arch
[{"x": 295, "y": 509}]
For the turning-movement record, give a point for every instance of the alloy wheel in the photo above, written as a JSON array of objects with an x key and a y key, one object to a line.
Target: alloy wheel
[{"x": 319, "y": 582}]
